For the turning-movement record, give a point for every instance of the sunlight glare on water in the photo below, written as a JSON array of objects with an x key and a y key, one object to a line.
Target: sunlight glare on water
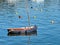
[{"x": 38, "y": 1}]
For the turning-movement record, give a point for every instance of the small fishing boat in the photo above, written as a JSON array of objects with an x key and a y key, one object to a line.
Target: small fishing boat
[{"x": 22, "y": 30}]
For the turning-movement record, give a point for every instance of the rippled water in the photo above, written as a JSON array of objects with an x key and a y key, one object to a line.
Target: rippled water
[{"x": 45, "y": 15}]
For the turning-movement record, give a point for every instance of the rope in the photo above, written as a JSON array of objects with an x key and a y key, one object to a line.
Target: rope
[
  {"x": 28, "y": 18},
  {"x": 28, "y": 41},
  {"x": 27, "y": 12}
]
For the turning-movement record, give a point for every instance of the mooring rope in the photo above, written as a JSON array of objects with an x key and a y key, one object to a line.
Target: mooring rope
[
  {"x": 27, "y": 12},
  {"x": 28, "y": 18}
]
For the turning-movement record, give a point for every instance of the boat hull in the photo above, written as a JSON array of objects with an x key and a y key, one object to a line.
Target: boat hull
[{"x": 24, "y": 30}]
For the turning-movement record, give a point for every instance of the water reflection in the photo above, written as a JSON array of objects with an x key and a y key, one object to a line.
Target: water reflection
[{"x": 29, "y": 34}]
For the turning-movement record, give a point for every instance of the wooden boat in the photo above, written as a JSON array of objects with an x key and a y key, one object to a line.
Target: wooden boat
[{"x": 22, "y": 30}]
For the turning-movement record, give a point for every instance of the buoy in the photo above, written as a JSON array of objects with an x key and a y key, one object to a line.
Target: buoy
[
  {"x": 20, "y": 16},
  {"x": 16, "y": 13},
  {"x": 52, "y": 21},
  {"x": 34, "y": 17},
  {"x": 31, "y": 7}
]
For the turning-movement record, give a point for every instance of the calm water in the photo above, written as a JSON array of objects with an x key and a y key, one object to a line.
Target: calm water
[{"x": 45, "y": 15}]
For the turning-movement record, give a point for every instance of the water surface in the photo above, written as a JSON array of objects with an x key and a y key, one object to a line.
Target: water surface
[{"x": 48, "y": 33}]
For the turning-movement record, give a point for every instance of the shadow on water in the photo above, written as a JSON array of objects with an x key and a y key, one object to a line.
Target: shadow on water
[{"x": 23, "y": 34}]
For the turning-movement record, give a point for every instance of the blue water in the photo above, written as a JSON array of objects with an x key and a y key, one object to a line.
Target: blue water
[{"x": 45, "y": 15}]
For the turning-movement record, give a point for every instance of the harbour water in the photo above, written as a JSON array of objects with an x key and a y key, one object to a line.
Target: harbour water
[{"x": 46, "y": 15}]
